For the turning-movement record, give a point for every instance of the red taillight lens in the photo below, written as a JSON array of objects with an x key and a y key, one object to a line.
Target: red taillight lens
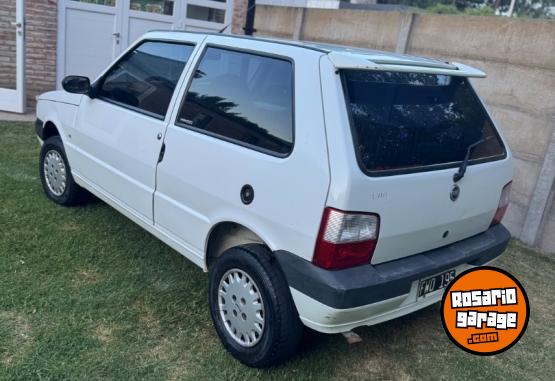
[
  {"x": 346, "y": 239},
  {"x": 503, "y": 204}
]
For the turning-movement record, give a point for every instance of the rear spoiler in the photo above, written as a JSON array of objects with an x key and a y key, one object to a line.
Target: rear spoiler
[{"x": 361, "y": 62}]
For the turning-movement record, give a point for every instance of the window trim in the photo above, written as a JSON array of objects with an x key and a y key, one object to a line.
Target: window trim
[
  {"x": 97, "y": 86},
  {"x": 190, "y": 127},
  {"x": 422, "y": 168}
]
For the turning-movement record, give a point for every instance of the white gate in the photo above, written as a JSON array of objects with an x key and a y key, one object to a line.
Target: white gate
[
  {"x": 12, "y": 54},
  {"x": 92, "y": 33}
]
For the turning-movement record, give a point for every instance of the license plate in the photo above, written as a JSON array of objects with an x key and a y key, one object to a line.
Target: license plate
[{"x": 437, "y": 282}]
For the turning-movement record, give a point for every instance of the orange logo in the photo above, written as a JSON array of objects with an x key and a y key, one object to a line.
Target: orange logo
[{"x": 485, "y": 310}]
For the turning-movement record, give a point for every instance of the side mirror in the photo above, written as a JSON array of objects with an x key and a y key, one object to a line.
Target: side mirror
[{"x": 77, "y": 84}]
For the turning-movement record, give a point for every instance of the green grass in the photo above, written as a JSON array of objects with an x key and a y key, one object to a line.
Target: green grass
[{"x": 87, "y": 294}]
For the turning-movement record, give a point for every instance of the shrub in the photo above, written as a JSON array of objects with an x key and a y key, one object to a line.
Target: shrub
[{"x": 444, "y": 9}]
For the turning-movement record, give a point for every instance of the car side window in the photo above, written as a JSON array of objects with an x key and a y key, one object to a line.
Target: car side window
[
  {"x": 244, "y": 98},
  {"x": 145, "y": 78}
]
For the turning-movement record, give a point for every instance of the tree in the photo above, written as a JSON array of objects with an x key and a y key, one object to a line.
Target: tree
[{"x": 529, "y": 8}]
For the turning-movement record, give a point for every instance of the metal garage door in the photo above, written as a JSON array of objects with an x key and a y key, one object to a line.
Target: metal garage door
[{"x": 92, "y": 33}]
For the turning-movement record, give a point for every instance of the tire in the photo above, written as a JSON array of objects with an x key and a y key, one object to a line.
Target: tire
[
  {"x": 70, "y": 194},
  {"x": 282, "y": 328}
]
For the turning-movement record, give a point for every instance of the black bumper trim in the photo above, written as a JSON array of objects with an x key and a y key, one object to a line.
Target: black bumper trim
[
  {"x": 368, "y": 284},
  {"x": 38, "y": 128}
]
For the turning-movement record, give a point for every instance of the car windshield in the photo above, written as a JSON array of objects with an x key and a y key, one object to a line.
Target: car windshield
[{"x": 411, "y": 122}]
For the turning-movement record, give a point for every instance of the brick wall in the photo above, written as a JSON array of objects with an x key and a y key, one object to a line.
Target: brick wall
[
  {"x": 239, "y": 16},
  {"x": 7, "y": 44},
  {"x": 41, "y": 30}
]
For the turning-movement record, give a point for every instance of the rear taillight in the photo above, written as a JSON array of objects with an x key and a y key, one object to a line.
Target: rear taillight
[
  {"x": 346, "y": 239},
  {"x": 503, "y": 204}
]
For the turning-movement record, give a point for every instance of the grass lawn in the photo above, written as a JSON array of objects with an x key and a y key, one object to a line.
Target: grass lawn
[{"x": 87, "y": 294}]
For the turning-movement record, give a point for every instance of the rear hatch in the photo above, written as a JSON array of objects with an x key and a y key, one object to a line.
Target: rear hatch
[{"x": 411, "y": 133}]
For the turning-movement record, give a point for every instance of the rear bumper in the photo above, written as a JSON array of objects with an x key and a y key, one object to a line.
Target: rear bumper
[{"x": 385, "y": 289}]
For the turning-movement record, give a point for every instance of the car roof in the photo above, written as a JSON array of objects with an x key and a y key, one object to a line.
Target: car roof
[{"x": 349, "y": 57}]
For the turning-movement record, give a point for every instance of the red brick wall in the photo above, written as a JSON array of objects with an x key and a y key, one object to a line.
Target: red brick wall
[{"x": 41, "y": 30}]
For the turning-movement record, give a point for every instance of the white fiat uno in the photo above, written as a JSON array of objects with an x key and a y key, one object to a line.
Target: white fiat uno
[{"x": 324, "y": 186}]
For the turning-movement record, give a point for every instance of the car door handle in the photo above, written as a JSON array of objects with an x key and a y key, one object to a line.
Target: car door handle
[
  {"x": 159, "y": 136},
  {"x": 162, "y": 152}
]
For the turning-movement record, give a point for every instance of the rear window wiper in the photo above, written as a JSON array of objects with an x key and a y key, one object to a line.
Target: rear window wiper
[{"x": 462, "y": 169}]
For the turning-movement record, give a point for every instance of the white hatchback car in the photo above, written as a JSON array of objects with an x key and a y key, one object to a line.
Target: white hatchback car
[{"x": 320, "y": 185}]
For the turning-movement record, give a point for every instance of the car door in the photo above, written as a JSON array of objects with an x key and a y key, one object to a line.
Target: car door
[
  {"x": 234, "y": 127},
  {"x": 119, "y": 132}
]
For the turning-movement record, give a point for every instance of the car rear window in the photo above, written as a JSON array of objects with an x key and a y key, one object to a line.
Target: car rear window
[{"x": 411, "y": 122}]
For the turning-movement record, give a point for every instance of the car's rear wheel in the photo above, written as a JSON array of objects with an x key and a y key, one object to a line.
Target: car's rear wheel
[
  {"x": 55, "y": 174},
  {"x": 251, "y": 307}
]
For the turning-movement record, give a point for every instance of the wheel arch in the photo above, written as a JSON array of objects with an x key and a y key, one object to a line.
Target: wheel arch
[
  {"x": 55, "y": 117},
  {"x": 226, "y": 234},
  {"x": 49, "y": 129}
]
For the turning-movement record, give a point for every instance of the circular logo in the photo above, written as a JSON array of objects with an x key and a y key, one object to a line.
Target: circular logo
[
  {"x": 455, "y": 192},
  {"x": 485, "y": 310}
]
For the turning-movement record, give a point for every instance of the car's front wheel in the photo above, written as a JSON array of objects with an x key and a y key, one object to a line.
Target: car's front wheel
[
  {"x": 55, "y": 175},
  {"x": 251, "y": 307}
]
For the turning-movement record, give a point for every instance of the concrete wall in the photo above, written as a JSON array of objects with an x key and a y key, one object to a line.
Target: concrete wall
[{"x": 517, "y": 54}]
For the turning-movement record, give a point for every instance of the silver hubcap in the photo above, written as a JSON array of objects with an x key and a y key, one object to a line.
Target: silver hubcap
[
  {"x": 55, "y": 172},
  {"x": 241, "y": 307}
]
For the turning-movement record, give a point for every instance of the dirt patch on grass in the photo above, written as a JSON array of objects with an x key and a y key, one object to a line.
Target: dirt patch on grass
[
  {"x": 104, "y": 333},
  {"x": 84, "y": 277},
  {"x": 17, "y": 339},
  {"x": 70, "y": 227},
  {"x": 150, "y": 323},
  {"x": 159, "y": 346},
  {"x": 161, "y": 284},
  {"x": 163, "y": 351},
  {"x": 177, "y": 372}
]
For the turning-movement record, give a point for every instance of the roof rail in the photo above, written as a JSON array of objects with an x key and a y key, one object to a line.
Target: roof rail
[{"x": 254, "y": 38}]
